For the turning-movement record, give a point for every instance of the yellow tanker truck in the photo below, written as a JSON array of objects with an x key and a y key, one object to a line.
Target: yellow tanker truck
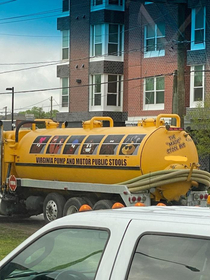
[{"x": 56, "y": 170}]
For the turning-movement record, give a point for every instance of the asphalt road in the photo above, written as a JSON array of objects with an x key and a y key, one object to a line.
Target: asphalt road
[{"x": 28, "y": 225}]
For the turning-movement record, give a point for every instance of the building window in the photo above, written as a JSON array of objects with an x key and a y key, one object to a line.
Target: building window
[
  {"x": 96, "y": 90},
  {"x": 97, "y": 2},
  {"x": 114, "y": 90},
  {"x": 198, "y": 32},
  {"x": 115, "y": 2},
  {"x": 115, "y": 40},
  {"x": 96, "y": 40},
  {"x": 154, "y": 90},
  {"x": 65, "y": 92},
  {"x": 65, "y": 44},
  {"x": 154, "y": 38},
  {"x": 107, "y": 39},
  {"x": 106, "y": 92},
  {"x": 197, "y": 85},
  {"x": 65, "y": 6},
  {"x": 108, "y": 5}
]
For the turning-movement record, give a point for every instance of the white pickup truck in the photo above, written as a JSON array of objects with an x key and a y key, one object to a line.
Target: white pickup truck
[{"x": 132, "y": 243}]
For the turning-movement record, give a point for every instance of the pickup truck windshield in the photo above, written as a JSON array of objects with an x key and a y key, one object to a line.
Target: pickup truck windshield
[
  {"x": 70, "y": 253},
  {"x": 171, "y": 257}
]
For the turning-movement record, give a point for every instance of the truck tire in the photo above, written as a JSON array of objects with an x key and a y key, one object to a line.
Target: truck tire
[
  {"x": 53, "y": 207},
  {"x": 73, "y": 205},
  {"x": 90, "y": 201},
  {"x": 103, "y": 204}
]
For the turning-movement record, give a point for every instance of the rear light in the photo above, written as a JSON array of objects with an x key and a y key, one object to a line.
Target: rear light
[
  {"x": 206, "y": 196},
  {"x": 133, "y": 199},
  {"x": 140, "y": 198},
  {"x": 196, "y": 196},
  {"x": 200, "y": 196}
]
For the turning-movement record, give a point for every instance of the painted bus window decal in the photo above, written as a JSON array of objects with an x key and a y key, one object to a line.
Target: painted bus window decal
[
  {"x": 131, "y": 144},
  {"x": 39, "y": 144},
  {"x": 73, "y": 144},
  {"x": 91, "y": 144},
  {"x": 110, "y": 145},
  {"x": 56, "y": 144}
]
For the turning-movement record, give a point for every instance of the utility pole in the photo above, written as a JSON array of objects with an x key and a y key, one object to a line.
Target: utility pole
[
  {"x": 181, "y": 60},
  {"x": 178, "y": 106},
  {"x": 13, "y": 93},
  {"x": 51, "y": 106}
]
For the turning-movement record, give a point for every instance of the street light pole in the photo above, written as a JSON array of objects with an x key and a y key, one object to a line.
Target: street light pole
[{"x": 13, "y": 91}]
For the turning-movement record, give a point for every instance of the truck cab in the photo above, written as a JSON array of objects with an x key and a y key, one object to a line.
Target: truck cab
[{"x": 131, "y": 243}]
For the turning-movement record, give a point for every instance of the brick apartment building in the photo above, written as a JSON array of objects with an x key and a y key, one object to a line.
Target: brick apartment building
[{"x": 120, "y": 58}]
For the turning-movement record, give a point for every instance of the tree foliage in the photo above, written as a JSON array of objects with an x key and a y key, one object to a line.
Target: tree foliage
[
  {"x": 39, "y": 113},
  {"x": 200, "y": 127}
]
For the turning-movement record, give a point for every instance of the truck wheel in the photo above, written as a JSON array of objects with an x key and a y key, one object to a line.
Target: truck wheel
[
  {"x": 72, "y": 205},
  {"x": 90, "y": 201},
  {"x": 103, "y": 204},
  {"x": 53, "y": 207}
]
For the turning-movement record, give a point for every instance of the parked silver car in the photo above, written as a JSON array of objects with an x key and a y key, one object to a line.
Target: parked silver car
[{"x": 131, "y": 243}]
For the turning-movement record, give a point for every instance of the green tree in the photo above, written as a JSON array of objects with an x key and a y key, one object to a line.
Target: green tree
[
  {"x": 39, "y": 113},
  {"x": 200, "y": 127}
]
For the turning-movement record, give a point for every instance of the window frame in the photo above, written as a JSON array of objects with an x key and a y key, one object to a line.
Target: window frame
[
  {"x": 155, "y": 106},
  {"x": 155, "y": 53},
  {"x": 198, "y": 46},
  {"x": 63, "y": 88},
  {"x": 65, "y": 47},
  {"x": 104, "y": 93},
  {"x": 163, "y": 236},
  {"x": 105, "y": 43},
  {"x": 106, "y": 6},
  {"x": 39, "y": 256},
  {"x": 193, "y": 103},
  {"x": 65, "y": 6}
]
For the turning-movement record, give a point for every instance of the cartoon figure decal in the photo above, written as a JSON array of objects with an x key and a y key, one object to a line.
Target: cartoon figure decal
[
  {"x": 128, "y": 149},
  {"x": 39, "y": 144},
  {"x": 110, "y": 145},
  {"x": 131, "y": 144},
  {"x": 91, "y": 144},
  {"x": 73, "y": 144},
  {"x": 56, "y": 144}
]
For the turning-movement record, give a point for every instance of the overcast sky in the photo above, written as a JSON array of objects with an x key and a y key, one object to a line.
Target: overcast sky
[{"x": 28, "y": 34}]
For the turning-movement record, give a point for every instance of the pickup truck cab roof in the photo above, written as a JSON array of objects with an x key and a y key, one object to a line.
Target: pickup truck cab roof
[{"x": 128, "y": 243}]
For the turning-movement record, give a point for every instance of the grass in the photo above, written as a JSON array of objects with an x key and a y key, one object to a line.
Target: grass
[{"x": 9, "y": 239}]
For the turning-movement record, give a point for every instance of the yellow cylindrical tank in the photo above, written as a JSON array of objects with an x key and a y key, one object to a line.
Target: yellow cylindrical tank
[
  {"x": 106, "y": 155},
  {"x": 97, "y": 154}
]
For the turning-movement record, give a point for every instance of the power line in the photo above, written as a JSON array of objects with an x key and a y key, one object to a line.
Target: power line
[
  {"x": 34, "y": 14},
  {"x": 30, "y": 36},
  {"x": 6, "y": 2},
  {"x": 33, "y": 104},
  {"x": 87, "y": 85},
  {"x": 29, "y": 68},
  {"x": 25, "y": 63},
  {"x": 27, "y": 16},
  {"x": 15, "y": 21}
]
